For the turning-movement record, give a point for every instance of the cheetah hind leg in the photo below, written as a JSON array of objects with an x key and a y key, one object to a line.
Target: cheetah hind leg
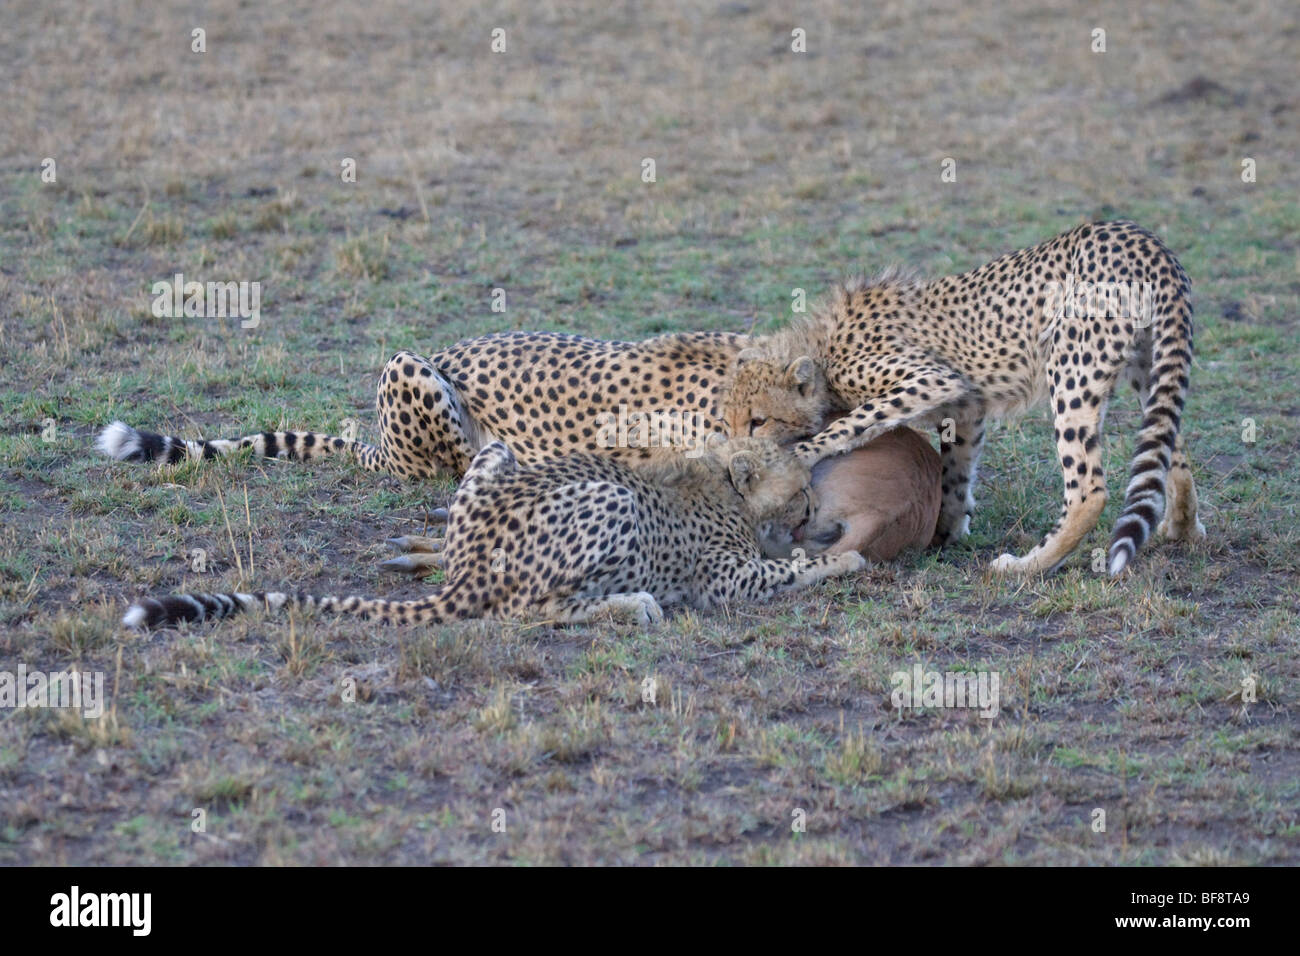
[
  {"x": 425, "y": 431},
  {"x": 1079, "y": 451},
  {"x": 420, "y": 552},
  {"x": 1181, "y": 522}
]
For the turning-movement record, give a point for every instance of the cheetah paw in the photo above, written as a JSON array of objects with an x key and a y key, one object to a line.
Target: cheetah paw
[
  {"x": 646, "y": 609},
  {"x": 415, "y": 542},
  {"x": 1009, "y": 564},
  {"x": 850, "y": 562},
  {"x": 420, "y": 562},
  {"x": 1181, "y": 531},
  {"x": 947, "y": 534}
]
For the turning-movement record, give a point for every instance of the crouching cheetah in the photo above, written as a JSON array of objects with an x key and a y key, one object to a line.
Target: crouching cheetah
[
  {"x": 1062, "y": 321},
  {"x": 544, "y": 394},
  {"x": 584, "y": 536}
]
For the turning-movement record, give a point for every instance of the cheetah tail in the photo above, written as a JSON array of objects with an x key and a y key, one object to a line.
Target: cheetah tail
[
  {"x": 125, "y": 443},
  {"x": 1171, "y": 362},
  {"x": 150, "y": 613}
]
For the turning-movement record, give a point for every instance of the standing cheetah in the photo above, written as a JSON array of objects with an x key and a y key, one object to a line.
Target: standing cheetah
[
  {"x": 544, "y": 394},
  {"x": 1061, "y": 321},
  {"x": 584, "y": 536}
]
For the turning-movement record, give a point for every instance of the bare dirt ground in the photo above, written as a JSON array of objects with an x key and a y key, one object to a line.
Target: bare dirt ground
[{"x": 772, "y": 737}]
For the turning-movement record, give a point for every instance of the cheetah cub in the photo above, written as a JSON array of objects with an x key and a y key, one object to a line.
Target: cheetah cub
[
  {"x": 1063, "y": 321},
  {"x": 585, "y": 537}
]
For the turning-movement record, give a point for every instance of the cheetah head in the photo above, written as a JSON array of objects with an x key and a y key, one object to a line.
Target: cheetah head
[
  {"x": 775, "y": 485},
  {"x": 770, "y": 398}
]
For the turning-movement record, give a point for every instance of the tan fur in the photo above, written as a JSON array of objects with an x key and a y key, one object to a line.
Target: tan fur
[
  {"x": 878, "y": 500},
  {"x": 884, "y": 495}
]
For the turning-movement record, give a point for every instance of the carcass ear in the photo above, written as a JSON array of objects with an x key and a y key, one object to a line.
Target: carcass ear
[
  {"x": 744, "y": 472},
  {"x": 800, "y": 374}
]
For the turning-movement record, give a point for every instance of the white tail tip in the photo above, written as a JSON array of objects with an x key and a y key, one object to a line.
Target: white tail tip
[{"x": 118, "y": 440}]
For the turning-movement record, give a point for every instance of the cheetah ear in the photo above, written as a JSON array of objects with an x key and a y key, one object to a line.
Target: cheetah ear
[
  {"x": 800, "y": 374},
  {"x": 748, "y": 355},
  {"x": 744, "y": 472},
  {"x": 714, "y": 441},
  {"x": 494, "y": 460}
]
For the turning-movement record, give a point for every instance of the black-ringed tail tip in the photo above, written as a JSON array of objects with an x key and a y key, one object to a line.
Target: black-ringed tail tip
[
  {"x": 160, "y": 612},
  {"x": 122, "y": 442},
  {"x": 1122, "y": 551},
  {"x": 119, "y": 440},
  {"x": 150, "y": 613}
]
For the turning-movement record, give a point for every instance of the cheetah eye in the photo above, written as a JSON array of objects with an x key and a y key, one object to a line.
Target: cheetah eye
[{"x": 756, "y": 424}]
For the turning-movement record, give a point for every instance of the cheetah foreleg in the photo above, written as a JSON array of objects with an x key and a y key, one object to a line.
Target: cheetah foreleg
[
  {"x": 639, "y": 607},
  {"x": 919, "y": 394},
  {"x": 960, "y": 444},
  {"x": 761, "y": 578}
]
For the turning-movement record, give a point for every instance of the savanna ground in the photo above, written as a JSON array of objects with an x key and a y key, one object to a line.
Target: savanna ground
[{"x": 522, "y": 171}]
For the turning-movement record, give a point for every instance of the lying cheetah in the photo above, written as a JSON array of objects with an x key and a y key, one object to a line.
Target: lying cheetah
[
  {"x": 544, "y": 394},
  {"x": 584, "y": 536},
  {"x": 1063, "y": 321}
]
